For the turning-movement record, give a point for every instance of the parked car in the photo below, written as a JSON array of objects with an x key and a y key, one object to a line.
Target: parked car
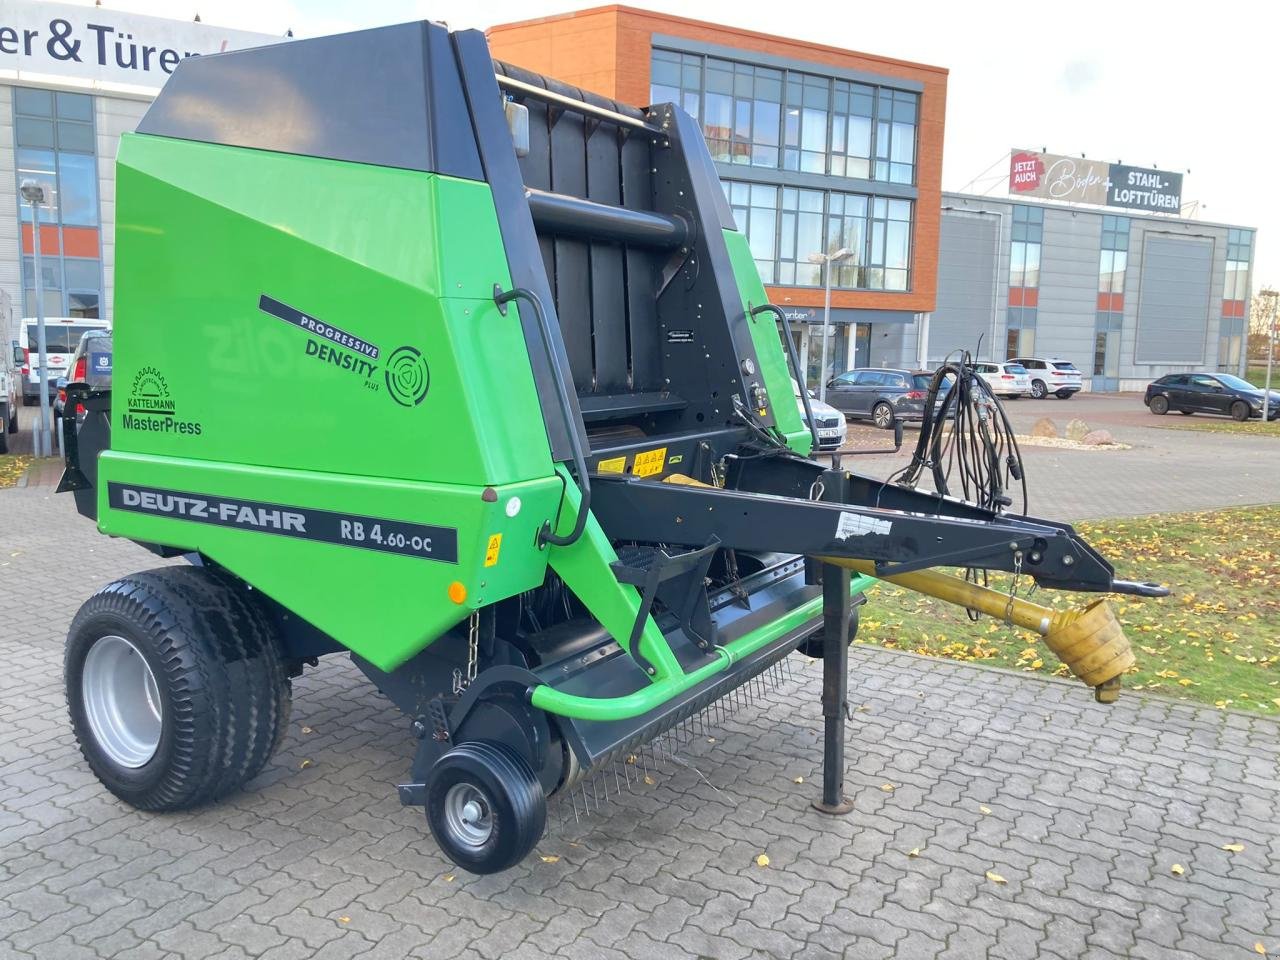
[
  {"x": 830, "y": 423},
  {"x": 11, "y": 358},
  {"x": 61, "y": 334},
  {"x": 91, "y": 363},
  {"x": 880, "y": 395},
  {"x": 1219, "y": 393},
  {"x": 1059, "y": 377},
  {"x": 1010, "y": 379}
]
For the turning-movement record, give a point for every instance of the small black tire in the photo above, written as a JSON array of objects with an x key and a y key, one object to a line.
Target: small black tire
[
  {"x": 1159, "y": 405},
  {"x": 882, "y": 415},
  {"x": 217, "y": 692},
  {"x": 1186, "y": 413},
  {"x": 1240, "y": 411},
  {"x": 496, "y": 786},
  {"x": 1038, "y": 390}
]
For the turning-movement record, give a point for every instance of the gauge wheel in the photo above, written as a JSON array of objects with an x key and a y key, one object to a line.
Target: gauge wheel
[
  {"x": 176, "y": 687},
  {"x": 1038, "y": 390},
  {"x": 1240, "y": 411},
  {"x": 882, "y": 415},
  {"x": 1160, "y": 404},
  {"x": 485, "y": 807}
]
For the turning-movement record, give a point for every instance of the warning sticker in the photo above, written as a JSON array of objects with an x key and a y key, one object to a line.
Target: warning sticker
[
  {"x": 856, "y": 525},
  {"x": 491, "y": 551},
  {"x": 612, "y": 465},
  {"x": 650, "y": 462}
]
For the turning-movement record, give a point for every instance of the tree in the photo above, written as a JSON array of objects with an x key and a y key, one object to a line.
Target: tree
[{"x": 1262, "y": 317}]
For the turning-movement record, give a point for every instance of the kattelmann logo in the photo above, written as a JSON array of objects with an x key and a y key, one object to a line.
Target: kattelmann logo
[{"x": 151, "y": 408}]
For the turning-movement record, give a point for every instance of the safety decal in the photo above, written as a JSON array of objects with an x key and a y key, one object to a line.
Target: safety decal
[
  {"x": 418, "y": 540},
  {"x": 612, "y": 465},
  {"x": 649, "y": 462},
  {"x": 491, "y": 551},
  {"x": 856, "y": 525}
]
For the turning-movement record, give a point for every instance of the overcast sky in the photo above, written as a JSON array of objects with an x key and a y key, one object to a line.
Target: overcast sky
[{"x": 1178, "y": 86}]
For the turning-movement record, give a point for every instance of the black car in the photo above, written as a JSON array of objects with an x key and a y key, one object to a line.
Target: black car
[
  {"x": 1219, "y": 393},
  {"x": 879, "y": 394}
]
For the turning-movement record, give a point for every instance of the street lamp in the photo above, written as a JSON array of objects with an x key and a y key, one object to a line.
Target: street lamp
[
  {"x": 37, "y": 194},
  {"x": 826, "y": 260}
]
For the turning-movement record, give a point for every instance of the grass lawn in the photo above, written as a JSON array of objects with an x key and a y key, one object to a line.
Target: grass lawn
[
  {"x": 12, "y": 466},
  {"x": 1216, "y": 640},
  {"x": 1258, "y": 375},
  {"x": 1211, "y": 424}
]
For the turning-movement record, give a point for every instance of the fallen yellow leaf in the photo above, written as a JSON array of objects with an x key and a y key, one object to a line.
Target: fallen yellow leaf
[
  {"x": 1233, "y": 847},
  {"x": 798, "y": 780},
  {"x": 913, "y": 852},
  {"x": 632, "y": 758},
  {"x": 762, "y": 860},
  {"x": 649, "y": 780},
  {"x": 304, "y": 764},
  {"x": 344, "y": 919},
  {"x": 306, "y": 729},
  {"x": 887, "y": 787},
  {"x": 995, "y": 877},
  {"x": 1177, "y": 870},
  {"x": 550, "y": 858},
  {"x": 448, "y": 878},
  {"x": 1259, "y": 949},
  {"x": 985, "y": 810}
]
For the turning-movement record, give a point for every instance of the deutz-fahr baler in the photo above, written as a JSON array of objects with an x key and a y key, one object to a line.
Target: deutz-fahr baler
[{"x": 470, "y": 375}]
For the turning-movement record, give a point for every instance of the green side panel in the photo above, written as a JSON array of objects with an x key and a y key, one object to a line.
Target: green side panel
[
  {"x": 584, "y": 568},
  {"x": 384, "y": 606},
  {"x": 378, "y": 380},
  {"x": 774, "y": 367},
  {"x": 400, "y": 260}
]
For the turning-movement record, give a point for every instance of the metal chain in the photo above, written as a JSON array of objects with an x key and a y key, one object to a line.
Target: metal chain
[
  {"x": 461, "y": 682},
  {"x": 1013, "y": 587}
]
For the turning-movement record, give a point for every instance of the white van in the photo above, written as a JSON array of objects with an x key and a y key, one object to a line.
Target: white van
[{"x": 62, "y": 335}]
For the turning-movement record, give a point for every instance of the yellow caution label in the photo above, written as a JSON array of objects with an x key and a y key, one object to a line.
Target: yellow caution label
[
  {"x": 612, "y": 465},
  {"x": 491, "y": 551},
  {"x": 649, "y": 462}
]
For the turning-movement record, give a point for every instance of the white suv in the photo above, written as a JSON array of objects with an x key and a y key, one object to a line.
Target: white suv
[
  {"x": 1009, "y": 379},
  {"x": 1059, "y": 377}
]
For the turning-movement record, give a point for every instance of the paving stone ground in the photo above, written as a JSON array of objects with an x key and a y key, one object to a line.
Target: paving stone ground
[{"x": 1090, "y": 808}]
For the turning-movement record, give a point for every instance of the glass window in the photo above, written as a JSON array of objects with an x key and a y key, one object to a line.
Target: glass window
[
  {"x": 33, "y": 103},
  {"x": 50, "y": 272},
  {"x": 38, "y": 165},
  {"x": 33, "y": 132},
  {"x": 78, "y": 189},
  {"x": 1099, "y": 354},
  {"x": 82, "y": 305},
  {"x": 82, "y": 274}
]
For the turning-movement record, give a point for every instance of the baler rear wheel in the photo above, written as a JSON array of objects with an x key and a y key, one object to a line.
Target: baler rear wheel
[
  {"x": 176, "y": 687},
  {"x": 485, "y": 807}
]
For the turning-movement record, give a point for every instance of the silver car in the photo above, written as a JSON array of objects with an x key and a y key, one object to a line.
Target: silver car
[{"x": 827, "y": 420}]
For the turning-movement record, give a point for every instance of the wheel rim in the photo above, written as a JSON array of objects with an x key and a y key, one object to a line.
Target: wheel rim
[
  {"x": 882, "y": 416},
  {"x": 467, "y": 815},
  {"x": 1037, "y": 390},
  {"x": 122, "y": 701}
]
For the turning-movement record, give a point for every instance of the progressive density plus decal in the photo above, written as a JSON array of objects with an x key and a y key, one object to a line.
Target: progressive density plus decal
[
  {"x": 418, "y": 540},
  {"x": 406, "y": 375}
]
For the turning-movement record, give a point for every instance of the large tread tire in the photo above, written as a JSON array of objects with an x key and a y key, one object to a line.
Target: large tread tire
[
  {"x": 222, "y": 685},
  {"x": 515, "y": 805}
]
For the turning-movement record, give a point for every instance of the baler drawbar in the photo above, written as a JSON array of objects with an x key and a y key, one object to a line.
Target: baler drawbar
[{"x": 470, "y": 374}]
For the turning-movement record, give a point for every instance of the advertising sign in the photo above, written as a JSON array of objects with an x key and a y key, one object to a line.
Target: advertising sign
[
  {"x": 1077, "y": 180},
  {"x": 106, "y": 47}
]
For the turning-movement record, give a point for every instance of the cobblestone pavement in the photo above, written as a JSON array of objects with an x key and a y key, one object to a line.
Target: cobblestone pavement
[
  {"x": 1166, "y": 470},
  {"x": 1087, "y": 809}
]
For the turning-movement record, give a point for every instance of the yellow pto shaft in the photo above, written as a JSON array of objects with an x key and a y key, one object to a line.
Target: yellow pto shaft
[{"x": 1090, "y": 641}]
